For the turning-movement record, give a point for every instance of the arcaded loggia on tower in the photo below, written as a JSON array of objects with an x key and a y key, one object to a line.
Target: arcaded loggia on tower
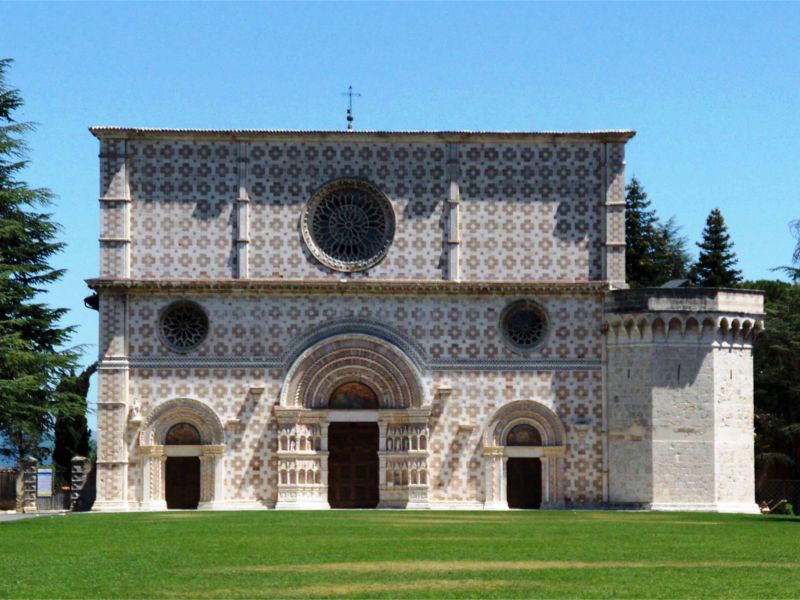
[{"x": 315, "y": 319}]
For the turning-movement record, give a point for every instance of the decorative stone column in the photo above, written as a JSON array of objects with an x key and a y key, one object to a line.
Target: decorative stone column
[
  {"x": 79, "y": 475},
  {"x": 552, "y": 465},
  {"x": 212, "y": 477},
  {"x": 401, "y": 455},
  {"x": 382, "y": 426},
  {"x": 453, "y": 233},
  {"x": 302, "y": 460},
  {"x": 495, "y": 481},
  {"x": 153, "y": 461},
  {"x": 26, "y": 496},
  {"x": 242, "y": 215}
]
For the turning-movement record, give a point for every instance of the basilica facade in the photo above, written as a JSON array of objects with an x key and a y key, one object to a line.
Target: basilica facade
[{"x": 318, "y": 319}]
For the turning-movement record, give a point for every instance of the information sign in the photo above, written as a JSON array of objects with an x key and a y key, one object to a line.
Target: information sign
[{"x": 44, "y": 482}]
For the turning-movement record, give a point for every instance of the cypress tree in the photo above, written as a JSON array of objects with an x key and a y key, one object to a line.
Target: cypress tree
[
  {"x": 31, "y": 362},
  {"x": 715, "y": 267},
  {"x": 71, "y": 431},
  {"x": 640, "y": 233}
]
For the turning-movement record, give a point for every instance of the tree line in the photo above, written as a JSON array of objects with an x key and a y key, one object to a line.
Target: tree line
[{"x": 656, "y": 252}]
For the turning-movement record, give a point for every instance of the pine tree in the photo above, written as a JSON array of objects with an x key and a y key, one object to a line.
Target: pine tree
[
  {"x": 672, "y": 253},
  {"x": 71, "y": 431},
  {"x": 715, "y": 265},
  {"x": 655, "y": 252},
  {"x": 31, "y": 362}
]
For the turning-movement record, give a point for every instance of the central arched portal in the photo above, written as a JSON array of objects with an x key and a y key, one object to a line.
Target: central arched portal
[
  {"x": 353, "y": 450},
  {"x": 353, "y": 428},
  {"x": 353, "y": 465}
]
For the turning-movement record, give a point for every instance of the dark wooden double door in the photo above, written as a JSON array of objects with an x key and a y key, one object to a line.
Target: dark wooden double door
[
  {"x": 353, "y": 465},
  {"x": 182, "y": 482},
  {"x": 524, "y": 477}
]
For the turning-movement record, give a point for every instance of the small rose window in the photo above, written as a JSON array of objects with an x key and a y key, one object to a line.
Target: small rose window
[
  {"x": 524, "y": 325},
  {"x": 184, "y": 326}
]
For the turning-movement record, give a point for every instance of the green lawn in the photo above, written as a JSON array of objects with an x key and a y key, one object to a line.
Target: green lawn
[{"x": 398, "y": 554}]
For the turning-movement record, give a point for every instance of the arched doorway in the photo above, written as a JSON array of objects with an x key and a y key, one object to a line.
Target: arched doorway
[
  {"x": 182, "y": 473},
  {"x": 353, "y": 450},
  {"x": 523, "y": 474},
  {"x": 524, "y": 445},
  {"x": 363, "y": 398},
  {"x": 181, "y": 456}
]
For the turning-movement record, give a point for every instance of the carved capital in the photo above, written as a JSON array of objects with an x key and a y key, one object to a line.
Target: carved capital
[
  {"x": 214, "y": 450},
  {"x": 146, "y": 451},
  {"x": 496, "y": 451}
]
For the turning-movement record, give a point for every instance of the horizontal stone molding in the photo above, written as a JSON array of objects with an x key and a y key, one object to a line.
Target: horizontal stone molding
[
  {"x": 685, "y": 300},
  {"x": 522, "y": 364},
  {"x": 243, "y": 135},
  {"x": 294, "y": 414},
  {"x": 346, "y": 286}
]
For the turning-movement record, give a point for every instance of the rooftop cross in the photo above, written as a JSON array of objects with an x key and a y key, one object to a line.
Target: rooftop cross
[{"x": 350, "y": 93}]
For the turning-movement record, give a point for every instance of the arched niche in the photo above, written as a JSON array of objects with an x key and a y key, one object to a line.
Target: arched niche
[
  {"x": 531, "y": 412},
  {"x": 353, "y": 395},
  {"x": 181, "y": 410}
]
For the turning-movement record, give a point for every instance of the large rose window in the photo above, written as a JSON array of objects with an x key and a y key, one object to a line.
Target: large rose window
[{"x": 348, "y": 225}]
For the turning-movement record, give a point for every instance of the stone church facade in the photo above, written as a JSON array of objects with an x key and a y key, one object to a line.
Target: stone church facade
[{"x": 402, "y": 319}]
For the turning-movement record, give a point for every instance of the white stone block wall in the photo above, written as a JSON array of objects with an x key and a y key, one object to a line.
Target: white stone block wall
[{"x": 679, "y": 390}]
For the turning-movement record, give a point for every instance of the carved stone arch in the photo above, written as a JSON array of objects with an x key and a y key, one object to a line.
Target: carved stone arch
[
  {"x": 155, "y": 454},
  {"x": 534, "y": 413},
  {"x": 550, "y": 453},
  {"x": 692, "y": 328},
  {"x": 643, "y": 325},
  {"x": 613, "y": 328},
  {"x": 675, "y": 328},
  {"x": 181, "y": 410},
  {"x": 659, "y": 329},
  {"x": 630, "y": 328},
  {"x": 359, "y": 358},
  {"x": 747, "y": 329},
  {"x": 709, "y": 328},
  {"x": 410, "y": 348}
]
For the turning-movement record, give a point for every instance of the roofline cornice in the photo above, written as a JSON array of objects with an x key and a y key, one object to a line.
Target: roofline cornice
[
  {"x": 239, "y": 135},
  {"x": 346, "y": 287}
]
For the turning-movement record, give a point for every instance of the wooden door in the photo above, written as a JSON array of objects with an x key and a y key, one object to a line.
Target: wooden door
[
  {"x": 182, "y": 484},
  {"x": 524, "y": 482},
  {"x": 353, "y": 465}
]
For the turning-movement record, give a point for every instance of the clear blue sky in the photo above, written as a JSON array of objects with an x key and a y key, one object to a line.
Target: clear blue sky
[{"x": 712, "y": 89}]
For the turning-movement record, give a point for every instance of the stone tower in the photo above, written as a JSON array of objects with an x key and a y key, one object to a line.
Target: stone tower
[{"x": 679, "y": 388}]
